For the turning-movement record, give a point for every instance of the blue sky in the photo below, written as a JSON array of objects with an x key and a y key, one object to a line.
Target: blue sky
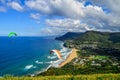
[
  {"x": 55, "y": 17},
  {"x": 19, "y": 22}
]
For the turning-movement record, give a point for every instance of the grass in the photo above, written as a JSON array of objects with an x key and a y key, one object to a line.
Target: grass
[
  {"x": 68, "y": 77},
  {"x": 101, "y": 57}
]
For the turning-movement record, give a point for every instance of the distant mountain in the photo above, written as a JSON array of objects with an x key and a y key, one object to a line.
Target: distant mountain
[
  {"x": 91, "y": 36},
  {"x": 95, "y": 36},
  {"x": 68, "y": 36},
  {"x": 102, "y": 39}
]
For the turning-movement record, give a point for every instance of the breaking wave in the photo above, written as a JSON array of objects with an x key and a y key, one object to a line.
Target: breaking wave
[
  {"x": 37, "y": 62},
  {"x": 29, "y": 67},
  {"x": 52, "y": 57}
]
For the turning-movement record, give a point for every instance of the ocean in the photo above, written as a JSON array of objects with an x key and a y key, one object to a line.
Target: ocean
[{"x": 27, "y": 55}]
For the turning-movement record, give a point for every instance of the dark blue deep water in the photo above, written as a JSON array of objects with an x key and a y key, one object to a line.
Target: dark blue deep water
[{"x": 25, "y": 55}]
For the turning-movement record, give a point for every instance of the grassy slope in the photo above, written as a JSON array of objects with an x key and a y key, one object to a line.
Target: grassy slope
[
  {"x": 68, "y": 77},
  {"x": 102, "y": 39}
]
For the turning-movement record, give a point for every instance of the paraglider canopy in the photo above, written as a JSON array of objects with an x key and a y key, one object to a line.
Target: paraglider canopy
[
  {"x": 12, "y": 34},
  {"x": 56, "y": 52}
]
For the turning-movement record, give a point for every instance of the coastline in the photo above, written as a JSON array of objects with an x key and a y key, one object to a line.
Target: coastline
[
  {"x": 58, "y": 62},
  {"x": 70, "y": 57}
]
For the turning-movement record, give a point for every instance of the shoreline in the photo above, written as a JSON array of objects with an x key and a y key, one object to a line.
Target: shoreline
[
  {"x": 51, "y": 65},
  {"x": 69, "y": 58}
]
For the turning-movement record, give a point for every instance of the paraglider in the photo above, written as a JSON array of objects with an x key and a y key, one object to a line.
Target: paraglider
[
  {"x": 56, "y": 52},
  {"x": 12, "y": 34}
]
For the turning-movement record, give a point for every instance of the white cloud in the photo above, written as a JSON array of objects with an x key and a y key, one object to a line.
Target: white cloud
[
  {"x": 77, "y": 17},
  {"x": 40, "y": 5},
  {"x": 59, "y": 7},
  {"x": 66, "y": 25},
  {"x": 16, "y": 6},
  {"x": 49, "y": 31},
  {"x": 112, "y": 5},
  {"x": 67, "y": 8},
  {"x": 35, "y": 16}
]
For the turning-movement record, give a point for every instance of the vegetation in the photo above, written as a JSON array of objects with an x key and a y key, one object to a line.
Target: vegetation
[
  {"x": 90, "y": 61},
  {"x": 93, "y": 39},
  {"x": 68, "y": 77},
  {"x": 99, "y": 52},
  {"x": 68, "y": 36}
]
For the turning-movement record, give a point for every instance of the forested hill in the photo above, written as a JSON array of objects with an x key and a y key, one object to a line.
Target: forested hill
[
  {"x": 105, "y": 39},
  {"x": 94, "y": 36},
  {"x": 68, "y": 36},
  {"x": 91, "y": 36}
]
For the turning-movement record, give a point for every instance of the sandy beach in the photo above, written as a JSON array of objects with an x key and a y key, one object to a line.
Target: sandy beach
[{"x": 72, "y": 55}]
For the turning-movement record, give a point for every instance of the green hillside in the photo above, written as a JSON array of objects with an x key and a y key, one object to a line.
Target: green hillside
[
  {"x": 94, "y": 38},
  {"x": 68, "y": 36}
]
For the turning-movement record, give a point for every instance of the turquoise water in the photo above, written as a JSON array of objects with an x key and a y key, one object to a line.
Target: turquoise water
[{"x": 26, "y": 55}]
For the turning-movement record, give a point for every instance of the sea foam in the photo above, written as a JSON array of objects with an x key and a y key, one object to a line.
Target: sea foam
[
  {"x": 37, "y": 62},
  {"x": 29, "y": 67},
  {"x": 52, "y": 57}
]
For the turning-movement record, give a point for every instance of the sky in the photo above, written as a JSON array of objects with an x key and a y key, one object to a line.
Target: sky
[{"x": 56, "y": 17}]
